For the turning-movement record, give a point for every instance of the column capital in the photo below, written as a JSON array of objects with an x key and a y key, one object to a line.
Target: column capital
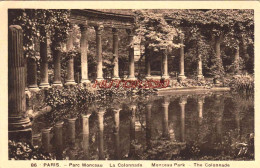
[
  {"x": 99, "y": 29},
  {"x": 165, "y": 104},
  {"x": 115, "y": 31},
  {"x": 46, "y": 130},
  {"x": 86, "y": 115},
  {"x": 132, "y": 106},
  {"x": 183, "y": 101},
  {"x": 130, "y": 32},
  {"x": 101, "y": 112},
  {"x": 72, "y": 120},
  {"x": 117, "y": 110},
  {"x": 83, "y": 27},
  {"x": 201, "y": 100},
  {"x": 59, "y": 124}
]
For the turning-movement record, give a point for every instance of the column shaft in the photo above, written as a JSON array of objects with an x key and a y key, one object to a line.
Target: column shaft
[
  {"x": 58, "y": 139},
  {"x": 165, "y": 74},
  {"x": 99, "y": 52},
  {"x": 199, "y": 68},
  {"x": 116, "y": 133},
  {"x": 70, "y": 64},
  {"x": 44, "y": 60},
  {"x": 101, "y": 134},
  {"x": 131, "y": 75},
  {"x": 115, "y": 53},
  {"x": 165, "y": 127},
  {"x": 32, "y": 74},
  {"x": 19, "y": 125},
  {"x": 182, "y": 75},
  {"x": 57, "y": 67},
  {"x": 148, "y": 64},
  {"x": 84, "y": 54}
]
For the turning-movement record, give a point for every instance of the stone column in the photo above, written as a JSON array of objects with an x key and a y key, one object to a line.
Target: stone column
[
  {"x": 58, "y": 139},
  {"x": 84, "y": 54},
  {"x": 132, "y": 130},
  {"x": 131, "y": 59},
  {"x": 44, "y": 60},
  {"x": 200, "y": 108},
  {"x": 70, "y": 64},
  {"x": 19, "y": 126},
  {"x": 182, "y": 75},
  {"x": 100, "y": 114},
  {"x": 71, "y": 131},
  {"x": 116, "y": 133},
  {"x": 165, "y": 127},
  {"x": 85, "y": 134},
  {"x": 236, "y": 62},
  {"x": 46, "y": 140},
  {"x": 182, "y": 103},
  {"x": 148, "y": 64},
  {"x": 148, "y": 125},
  {"x": 32, "y": 74},
  {"x": 164, "y": 65},
  {"x": 99, "y": 30},
  {"x": 57, "y": 67},
  {"x": 199, "y": 68},
  {"x": 115, "y": 53}
]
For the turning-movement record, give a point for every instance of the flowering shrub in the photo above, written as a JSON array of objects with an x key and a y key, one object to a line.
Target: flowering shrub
[
  {"x": 26, "y": 151},
  {"x": 242, "y": 83}
]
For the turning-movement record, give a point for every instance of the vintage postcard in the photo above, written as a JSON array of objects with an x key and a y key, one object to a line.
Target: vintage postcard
[{"x": 163, "y": 84}]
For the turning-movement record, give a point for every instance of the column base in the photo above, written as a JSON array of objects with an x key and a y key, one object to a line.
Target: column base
[
  {"x": 182, "y": 77},
  {"x": 200, "y": 77},
  {"x": 70, "y": 82},
  {"x": 115, "y": 78},
  {"x": 44, "y": 85},
  {"x": 33, "y": 87},
  {"x": 131, "y": 78},
  {"x": 99, "y": 79},
  {"x": 165, "y": 77},
  {"x": 19, "y": 128},
  {"x": 57, "y": 83},
  {"x": 85, "y": 81}
]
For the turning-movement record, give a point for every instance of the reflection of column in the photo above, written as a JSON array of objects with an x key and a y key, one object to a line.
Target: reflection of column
[
  {"x": 115, "y": 53},
  {"x": 18, "y": 124},
  {"x": 71, "y": 131},
  {"x": 164, "y": 68},
  {"x": 101, "y": 133},
  {"x": 165, "y": 106},
  {"x": 132, "y": 130},
  {"x": 44, "y": 60},
  {"x": 200, "y": 108},
  {"x": 46, "y": 139},
  {"x": 99, "y": 52},
  {"x": 85, "y": 134},
  {"x": 58, "y": 139},
  {"x": 148, "y": 125},
  {"x": 84, "y": 54},
  {"x": 70, "y": 63},
  {"x": 199, "y": 68},
  {"x": 182, "y": 75},
  {"x": 131, "y": 56},
  {"x": 182, "y": 105},
  {"x": 219, "y": 112},
  {"x": 116, "y": 133}
]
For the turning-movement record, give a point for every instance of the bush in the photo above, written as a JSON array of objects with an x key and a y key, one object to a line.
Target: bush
[{"x": 242, "y": 83}]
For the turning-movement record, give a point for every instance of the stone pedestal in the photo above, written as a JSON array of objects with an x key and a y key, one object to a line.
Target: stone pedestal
[
  {"x": 32, "y": 74},
  {"x": 131, "y": 75},
  {"x": 46, "y": 140},
  {"x": 84, "y": 54},
  {"x": 115, "y": 54},
  {"x": 19, "y": 125},
  {"x": 99, "y": 30},
  {"x": 58, "y": 137},
  {"x": 182, "y": 75},
  {"x": 44, "y": 60}
]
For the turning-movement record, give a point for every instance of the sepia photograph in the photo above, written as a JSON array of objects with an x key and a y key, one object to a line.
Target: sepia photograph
[{"x": 131, "y": 84}]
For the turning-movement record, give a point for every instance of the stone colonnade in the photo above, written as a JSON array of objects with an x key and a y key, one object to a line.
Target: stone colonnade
[{"x": 32, "y": 72}]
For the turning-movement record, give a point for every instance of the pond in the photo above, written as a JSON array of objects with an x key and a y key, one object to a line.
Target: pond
[{"x": 186, "y": 126}]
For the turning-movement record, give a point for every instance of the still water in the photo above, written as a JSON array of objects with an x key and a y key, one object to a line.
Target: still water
[{"x": 217, "y": 126}]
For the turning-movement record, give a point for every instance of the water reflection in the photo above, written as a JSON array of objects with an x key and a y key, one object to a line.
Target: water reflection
[{"x": 129, "y": 129}]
